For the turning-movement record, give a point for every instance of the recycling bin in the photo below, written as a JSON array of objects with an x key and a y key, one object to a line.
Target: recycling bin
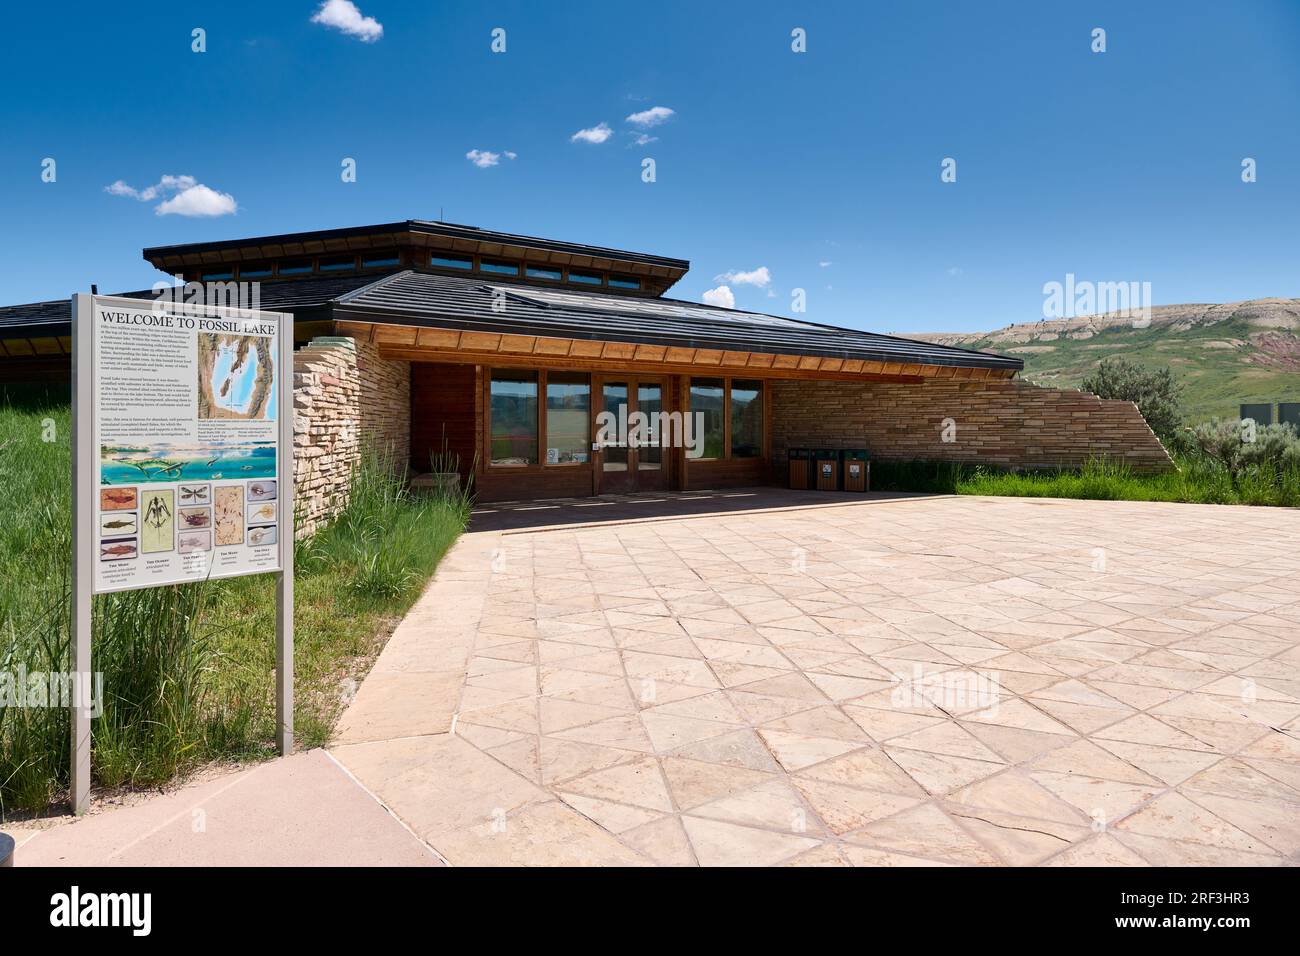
[
  {"x": 800, "y": 468},
  {"x": 857, "y": 469},
  {"x": 826, "y": 465}
]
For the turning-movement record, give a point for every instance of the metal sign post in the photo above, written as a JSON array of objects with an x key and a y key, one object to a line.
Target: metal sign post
[{"x": 182, "y": 469}]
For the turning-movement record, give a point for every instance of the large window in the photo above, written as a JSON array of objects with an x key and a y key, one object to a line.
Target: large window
[
  {"x": 730, "y": 412},
  {"x": 746, "y": 419},
  {"x": 524, "y": 433},
  {"x": 568, "y": 418},
  {"x": 514, "y": 418},
  {"x": 708, "y": 409}
]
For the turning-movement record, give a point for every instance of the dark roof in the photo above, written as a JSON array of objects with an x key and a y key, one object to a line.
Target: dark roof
[
  {"x": 416, "y": 297},
  {"x": 420, "y": 298},
  {"x": 422, "y": 227},
  {"x": 52, "y": 319}
]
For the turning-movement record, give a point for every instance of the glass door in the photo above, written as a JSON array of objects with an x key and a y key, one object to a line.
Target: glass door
[{"x": 631, "y": 455}]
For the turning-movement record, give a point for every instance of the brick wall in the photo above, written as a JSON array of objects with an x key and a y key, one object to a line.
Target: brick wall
[
  {"x": 345, "y": 398},
  {"x": 1003, "y": 422}
]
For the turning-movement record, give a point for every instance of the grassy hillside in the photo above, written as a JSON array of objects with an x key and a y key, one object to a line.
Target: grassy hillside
[{"x": 1225, "y": 355}]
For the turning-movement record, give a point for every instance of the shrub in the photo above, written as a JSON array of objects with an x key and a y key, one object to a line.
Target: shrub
[
  {"x": 1156, "y": 393},
  {"x": 1270, "y": 450}
]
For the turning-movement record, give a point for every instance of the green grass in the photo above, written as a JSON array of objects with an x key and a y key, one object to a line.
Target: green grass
[
  {"x": 189, "y": 669},
  {"x": 1197, "y": 480}
]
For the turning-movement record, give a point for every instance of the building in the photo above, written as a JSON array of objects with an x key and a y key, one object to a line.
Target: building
[{"x": 502, "y": 351}]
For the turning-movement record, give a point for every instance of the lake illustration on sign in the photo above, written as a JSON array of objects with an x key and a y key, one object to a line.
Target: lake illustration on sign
[
  {"x": 134, "y": 464},
  {"x": 236, "y": 377}
]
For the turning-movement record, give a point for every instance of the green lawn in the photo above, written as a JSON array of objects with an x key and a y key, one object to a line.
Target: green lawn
[
  {"x": 1197, "y": 480},
  {"x": 189, "y": 670}
]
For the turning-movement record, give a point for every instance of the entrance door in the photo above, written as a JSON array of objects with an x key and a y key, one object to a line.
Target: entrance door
[{"x": 631, "y": 458}]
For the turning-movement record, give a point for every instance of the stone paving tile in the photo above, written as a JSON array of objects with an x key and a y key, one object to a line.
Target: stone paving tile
[{"x": 884, "y": 682}]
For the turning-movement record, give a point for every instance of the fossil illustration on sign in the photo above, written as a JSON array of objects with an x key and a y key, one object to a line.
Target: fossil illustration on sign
[
  {"x": 117, "y": 499},
  {"x": 228, "y": 519},
  {"x": 192, "y": 518},
  {"x": 158, "y": 522},
  {"x": 117, "y": 524}
]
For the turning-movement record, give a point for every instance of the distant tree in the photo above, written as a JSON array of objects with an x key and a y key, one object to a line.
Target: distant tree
[
  {"x": 1239, "y": 449},
  {"x": 1157, "y": 394}
]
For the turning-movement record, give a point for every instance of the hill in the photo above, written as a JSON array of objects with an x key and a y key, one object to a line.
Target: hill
[{"x": 1225, "y": 354}]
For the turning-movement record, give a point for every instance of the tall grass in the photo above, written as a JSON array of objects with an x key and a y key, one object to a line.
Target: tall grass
[
  {"x": 1197, "y": 479},
  {"x": 188, "y": 670}
]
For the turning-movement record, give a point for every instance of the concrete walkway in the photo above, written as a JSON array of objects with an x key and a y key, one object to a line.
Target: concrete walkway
[
  {"x": 896, "y": 681},
  {"x": 304, "y": 810}
]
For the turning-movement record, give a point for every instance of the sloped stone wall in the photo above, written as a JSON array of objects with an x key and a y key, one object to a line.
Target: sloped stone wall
[
  {"x": 345, "y": 399},
  {"x": 1003, "y": 422}
]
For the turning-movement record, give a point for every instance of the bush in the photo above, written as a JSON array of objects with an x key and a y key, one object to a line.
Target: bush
[
  {"x": 1156, "y": 393},
  {"x": 1268, "y": 451}
]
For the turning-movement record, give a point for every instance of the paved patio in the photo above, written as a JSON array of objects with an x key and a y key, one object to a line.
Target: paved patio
[{"x": 894, "y": 681}]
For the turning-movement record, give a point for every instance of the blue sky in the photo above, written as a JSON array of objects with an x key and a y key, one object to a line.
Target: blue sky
[{"x": 1115, "y": 166}]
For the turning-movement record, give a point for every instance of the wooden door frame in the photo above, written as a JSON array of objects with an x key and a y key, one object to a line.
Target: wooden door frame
[{"x": 633, "y": 381}]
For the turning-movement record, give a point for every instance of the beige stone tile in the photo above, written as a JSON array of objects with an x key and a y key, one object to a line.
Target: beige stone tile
[
  {"x": 638, "y": 782},
  {"x": 540, "y": 834},
  {"x": 718, "y": 843},
  {"x": 924, "y": 831},
  {"x": 694, "y": 782},
  {"x": 663, "y": 841},
  {"x": 1101, "y": 850},
  {"x": 400, "y": 705},
  {"x": 1174, "y": 817}
]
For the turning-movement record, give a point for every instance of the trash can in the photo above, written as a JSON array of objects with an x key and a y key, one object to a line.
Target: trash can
[
  {"x": 826, "y": 463},
  {"x": 800, "y": 468},
  {"x": 857, "y": 469},
  {"x": 1261, "y": 412}
]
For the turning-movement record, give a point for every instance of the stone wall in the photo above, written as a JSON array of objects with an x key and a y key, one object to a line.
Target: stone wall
[
  {"x": 345, "y": 399},
  {"x": 1001, "y": 422}
]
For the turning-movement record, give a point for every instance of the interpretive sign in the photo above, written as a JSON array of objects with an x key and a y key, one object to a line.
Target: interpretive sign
[
  {"x": 182, "y": 463},
  {"x": 187, "y": 434}
]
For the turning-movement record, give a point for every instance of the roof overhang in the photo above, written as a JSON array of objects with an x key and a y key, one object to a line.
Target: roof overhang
[{"x": 661, "y": 271}]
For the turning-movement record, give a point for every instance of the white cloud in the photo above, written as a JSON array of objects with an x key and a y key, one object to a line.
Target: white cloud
[
  {"x": 186, "y": 196},
  {"x": 483, "y": 158},
  {"x": 596, "y": 134},
  {"x": 344, "y": 16},
  {"x": 644, "y": 139},
  {"x": 721, "y": 296},
  {"x": 758, "y": 277},
  {"x": 825, "y": 263},
  {"x": 511, "y": 155},
  {"x": 654, "y": 116}
]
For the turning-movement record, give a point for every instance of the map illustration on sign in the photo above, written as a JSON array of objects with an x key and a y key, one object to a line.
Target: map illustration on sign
[{"x": 236, "y": 377}]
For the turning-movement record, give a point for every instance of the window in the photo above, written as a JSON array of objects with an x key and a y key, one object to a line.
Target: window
[
  {"x": 255, "y": 270},
  {"x": 337, "y": 263},
  {"x": 624, "y": 282},
  {"x": 746, "y": 419},
  {"x": 708, "y": 398},
  {"x": 568, "y": 418},
  {"x": 217, "y": 276},
  {"x": 513, "y": 408},
  {"x": 731, "y": 417},
  {"x": 291, "y": 267},
  {"x": 379, "y": 259},
  {"x": 587, "y": 278},
  {"x": 540, "y": 272},
  {"x": 501, "y": 268},
  {"x": 451, "y": 262}
]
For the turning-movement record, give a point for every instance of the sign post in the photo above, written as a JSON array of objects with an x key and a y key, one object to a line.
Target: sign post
[{"x": 182, "y": 438}]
